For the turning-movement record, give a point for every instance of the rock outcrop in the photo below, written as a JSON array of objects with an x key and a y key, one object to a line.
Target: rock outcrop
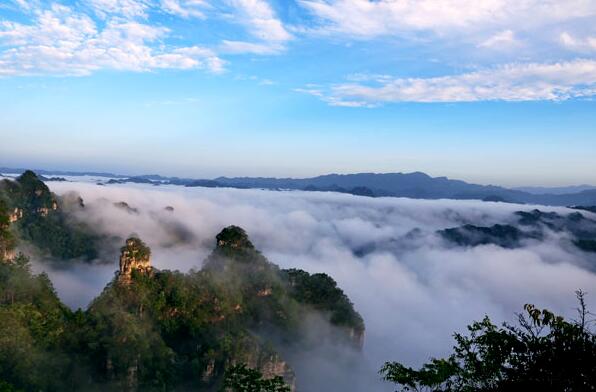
[
  {"x": 135, "y": 255},
  {"x": 267, "y": 361},
  {"x": 45, "y": 211},
  {"x": 16, "y": 215}
]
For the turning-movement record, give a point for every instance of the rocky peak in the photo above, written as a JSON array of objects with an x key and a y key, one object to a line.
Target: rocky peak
[
  {"x": 135, "y": 255},
  {"x": 233, "y": 237}
]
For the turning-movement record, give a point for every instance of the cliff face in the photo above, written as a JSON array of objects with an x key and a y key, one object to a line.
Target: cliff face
[
  {"x": 16, "y": 214},
  {"x": 267, "y": 361}
]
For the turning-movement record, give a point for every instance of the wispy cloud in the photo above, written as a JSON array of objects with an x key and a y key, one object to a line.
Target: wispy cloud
[
  {"x": 122, "y": 8},
  {"x": 185, "y": 8},
  {"x": 580, "y": 44},
  {"x": 367, "y": 18},
  {"x": 262, "y": 23},
  {"x": 511, "y": 82},
  {"x": 260, "y": 20},
  {"x": 505, "y": 39}
]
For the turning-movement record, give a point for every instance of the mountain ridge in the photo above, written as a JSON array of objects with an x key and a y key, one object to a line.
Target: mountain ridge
[{"x": 417, "y": 185}]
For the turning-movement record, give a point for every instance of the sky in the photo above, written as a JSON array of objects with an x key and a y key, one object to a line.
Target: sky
[{"x": 494, "y": 91}]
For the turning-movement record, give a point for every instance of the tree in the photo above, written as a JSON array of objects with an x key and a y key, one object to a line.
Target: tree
[
  {"x": 544, "y": 352},
  {"x": 240, "y": 378}
]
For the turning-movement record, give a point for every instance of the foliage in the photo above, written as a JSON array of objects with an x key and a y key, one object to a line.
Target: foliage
[
  {"x": 31, "y": 331},
  {"x": 234, "y": 237},
  {"x": 135, "y": 246},
  {"x": 321, "y": 292},
  {"x": 59, "y": 237},
  {"x": 240, "y": 378},
  {"x": 544, "y": 352}
]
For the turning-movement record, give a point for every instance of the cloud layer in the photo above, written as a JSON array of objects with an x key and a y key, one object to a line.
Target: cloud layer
[
  {"x": 511, "y": 82},
  {"x": 412, "y": 290}
]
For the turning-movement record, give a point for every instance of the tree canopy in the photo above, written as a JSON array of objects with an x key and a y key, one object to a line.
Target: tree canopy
[{"x": 543, "y": 352}]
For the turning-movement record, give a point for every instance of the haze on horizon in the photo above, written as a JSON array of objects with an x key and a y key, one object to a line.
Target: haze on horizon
[{"x": 487, "y": 92}]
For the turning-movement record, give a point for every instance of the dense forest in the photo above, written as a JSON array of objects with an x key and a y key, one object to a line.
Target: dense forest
[
  {"x": 163, "y": 330},
  {"x": 151, "y": 329}
]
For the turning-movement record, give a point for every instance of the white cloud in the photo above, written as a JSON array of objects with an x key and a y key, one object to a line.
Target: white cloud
[
  {"x": 123, "y": 8},
  {"x": 185, "y": 8},
  {"x": 260, "y": 19},
  {"x": 62, "y": 41},
  {"x": 585, "y": 44},
  {"x": 511, "y": 82},
  {"x": 26, "y": 4},
  {"x": 502, "y": 40},
  {"x": 262, "y": 23},
  {"x": 367, "y": 18}
]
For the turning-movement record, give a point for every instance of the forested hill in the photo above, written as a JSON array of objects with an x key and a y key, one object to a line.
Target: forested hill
[
  {"x": 40, "y": 217},
  {"x": 156, "y": 330}
]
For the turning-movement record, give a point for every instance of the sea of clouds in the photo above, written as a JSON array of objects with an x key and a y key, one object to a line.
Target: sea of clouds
[{"x": 412, "y": 289}]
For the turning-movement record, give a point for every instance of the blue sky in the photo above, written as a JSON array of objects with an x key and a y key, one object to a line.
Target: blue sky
[{"x": 497, "y": 91}]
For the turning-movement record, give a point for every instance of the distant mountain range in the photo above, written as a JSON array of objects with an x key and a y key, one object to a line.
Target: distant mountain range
[
  {"x": 558, "y": 190},
  {"x": 415, "y": 185}
]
